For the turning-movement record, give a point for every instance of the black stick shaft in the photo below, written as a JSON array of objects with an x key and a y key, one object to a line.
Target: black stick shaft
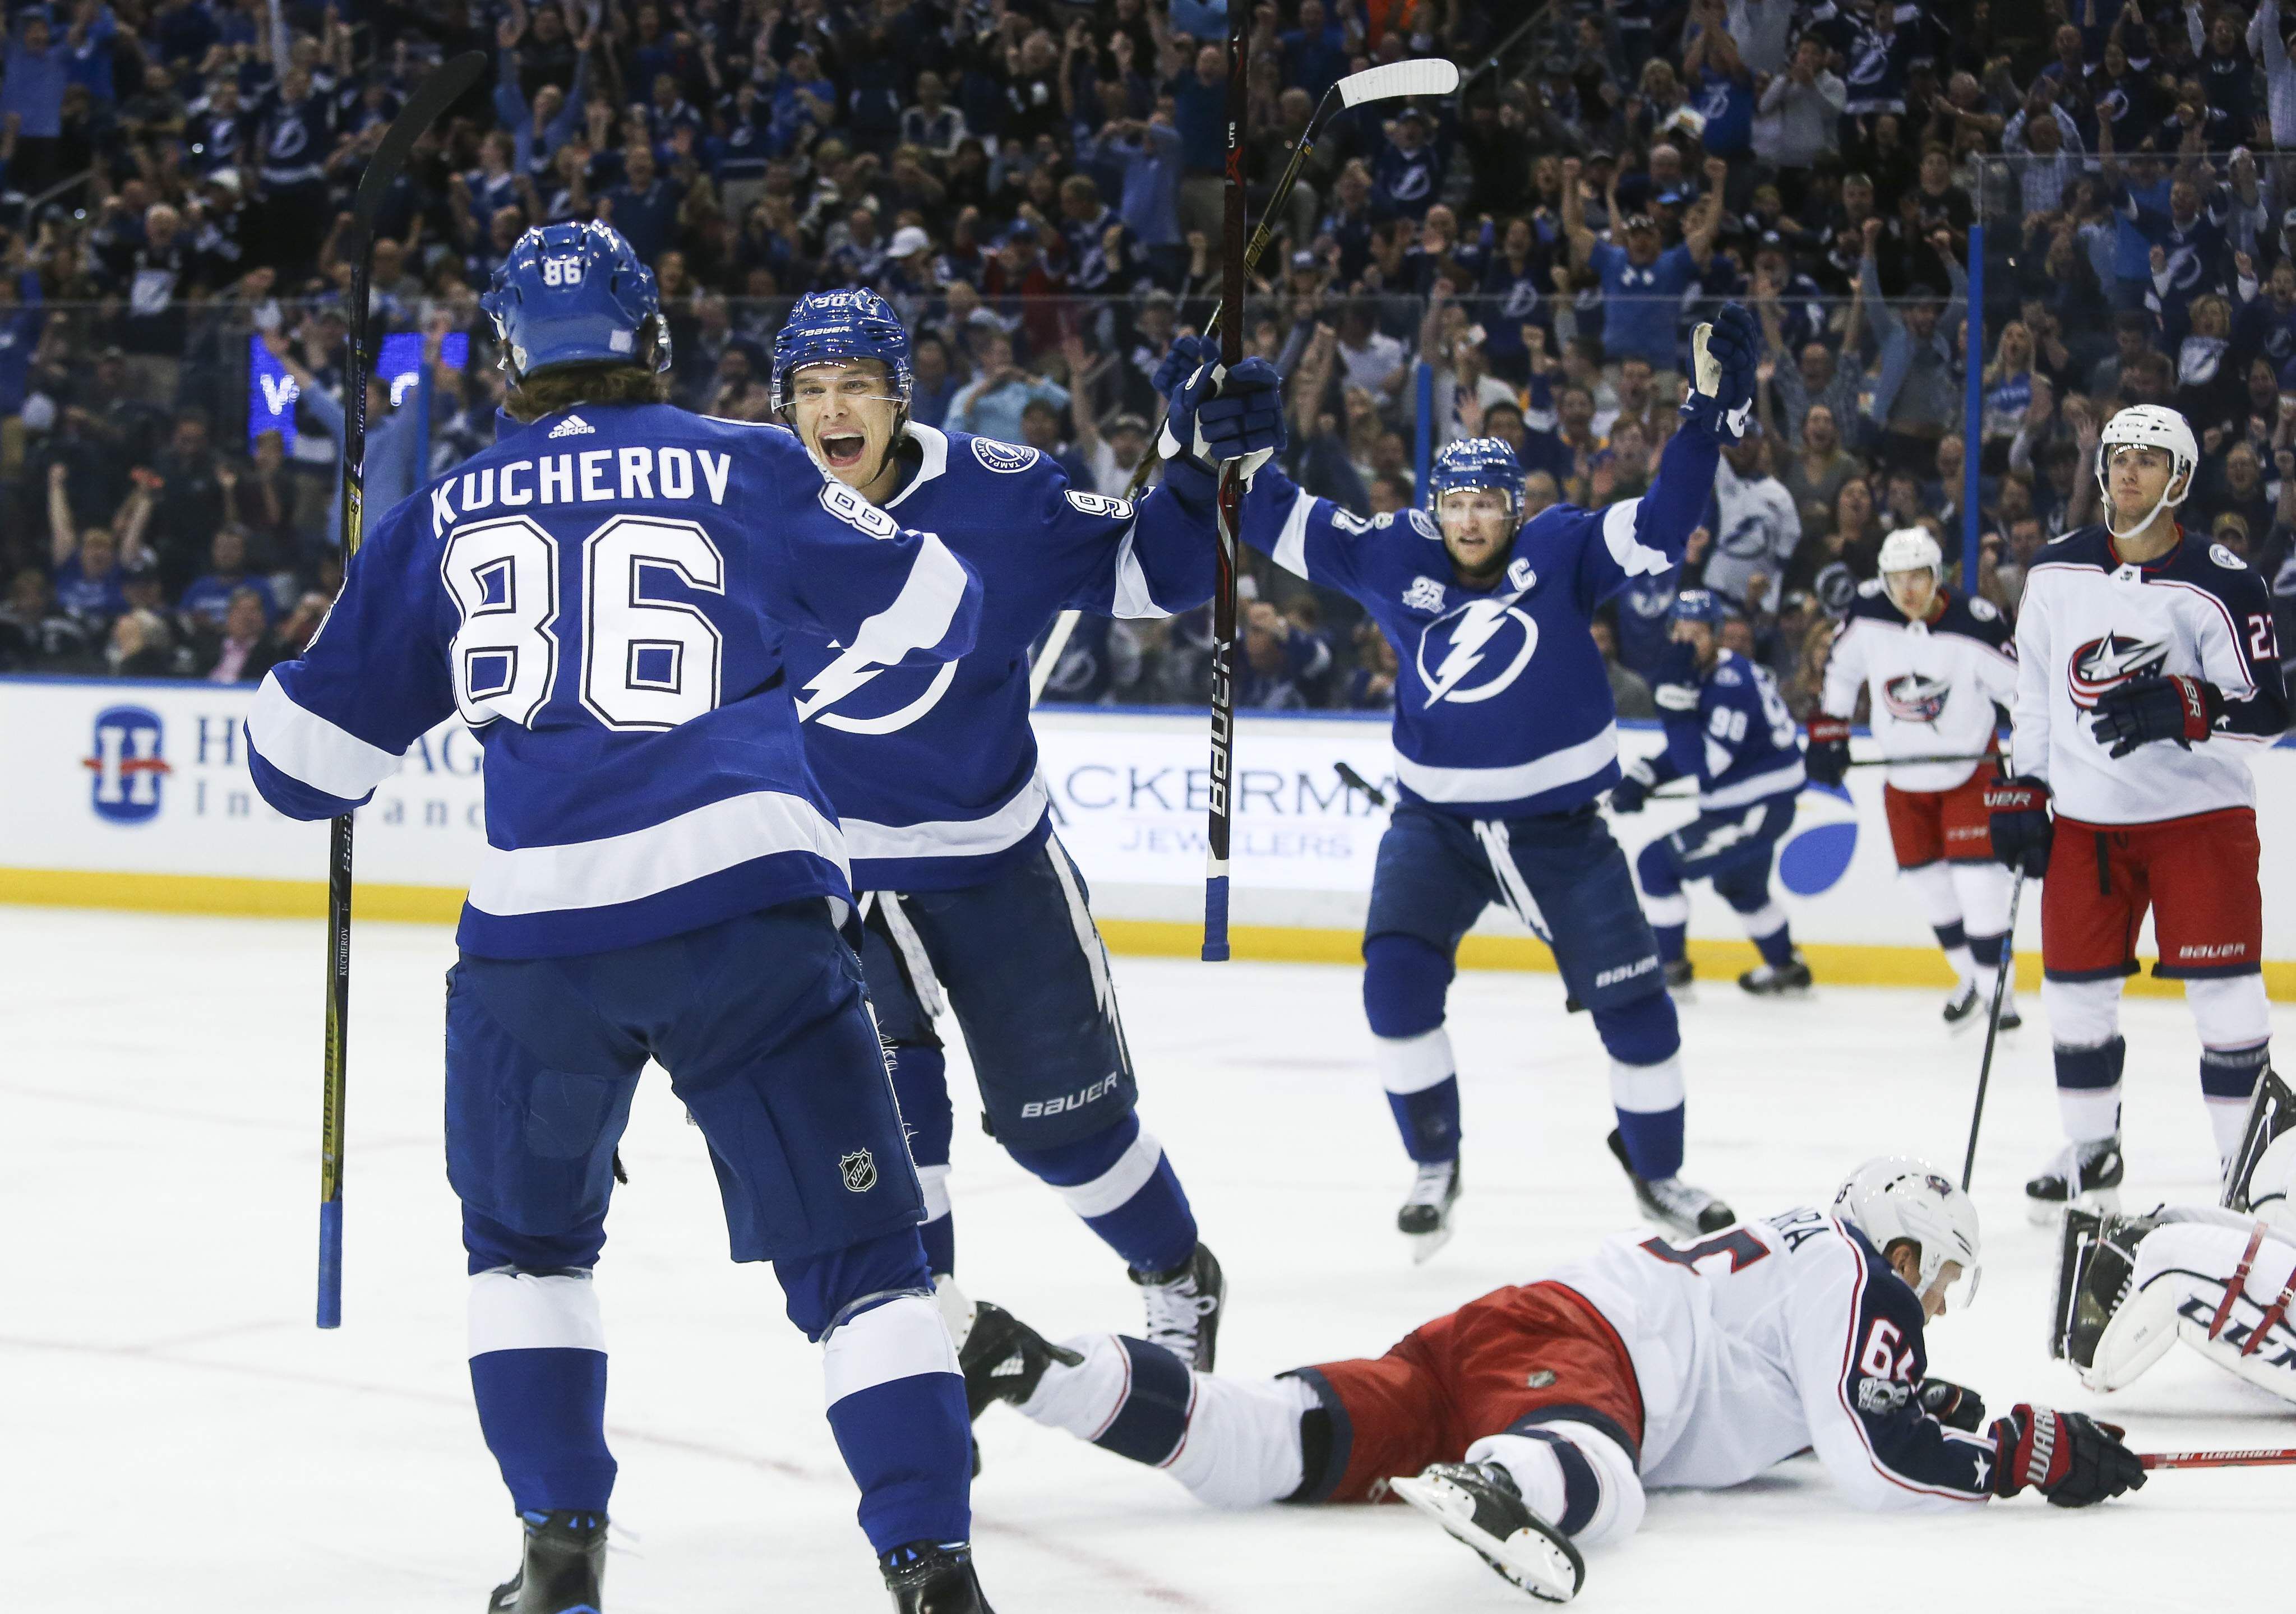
[
  {"x": 1231, "y": 507},
  {"x": 1993, "y": 1028}
]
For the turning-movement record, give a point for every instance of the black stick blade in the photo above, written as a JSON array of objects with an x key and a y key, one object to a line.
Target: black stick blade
[{"x": 446, "y": 83}]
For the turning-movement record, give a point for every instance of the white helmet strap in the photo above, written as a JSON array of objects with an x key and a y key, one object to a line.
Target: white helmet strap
[{"x": 2178, "y": 467}]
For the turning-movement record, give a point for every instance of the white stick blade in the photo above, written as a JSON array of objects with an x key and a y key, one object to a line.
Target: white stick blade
[{"x": 1427, "y": 76}]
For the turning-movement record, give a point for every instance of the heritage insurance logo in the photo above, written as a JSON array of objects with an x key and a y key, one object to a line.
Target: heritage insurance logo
[{"x": 128, "y": 763}]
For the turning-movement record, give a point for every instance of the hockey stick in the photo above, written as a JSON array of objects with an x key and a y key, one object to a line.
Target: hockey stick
[
  {"x": 2229, "y": 1457},
  {"x": 1356, "y": 781},
  {"x": 1427, "y": 76},
  {"x": 445, "y": 86},
  {"x": 1040, "y": 671},
  {"x": 1993, "y": 1025},
  {"x": 1231, "y": 511}
]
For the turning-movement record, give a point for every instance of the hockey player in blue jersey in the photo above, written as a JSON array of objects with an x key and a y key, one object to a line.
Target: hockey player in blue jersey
[
  {"x": 1505, "y": 736},
  {"x": 1728, "y": 728},
  {"x": 603, "y": 596},
  {"x": 933, "y": 772}
]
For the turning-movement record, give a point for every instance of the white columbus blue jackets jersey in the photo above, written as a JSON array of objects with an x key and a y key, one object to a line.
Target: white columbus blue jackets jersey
[
  {"x": 604, "y": 596},
  {"x": 2090, "y": 621},
  {"x": 934, "y": 769},
  {"x": 1739, "y": 741},
  {"x": 1773, "y": 1337},
  {"x": 1934, "y": 686},
  {"x": 1501, "y": 706}
]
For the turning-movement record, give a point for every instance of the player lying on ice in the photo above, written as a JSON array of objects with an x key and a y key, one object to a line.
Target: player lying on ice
[
  {"x": 1530, "y": 1422},
  {"x": 2220, "y": 1278},
  {"x": 1505, "y": 737}
]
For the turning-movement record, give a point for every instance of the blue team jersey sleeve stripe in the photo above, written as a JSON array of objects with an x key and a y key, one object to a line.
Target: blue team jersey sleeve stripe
[
  {"x": 1291, "y": 544},
  {"x": 311, "y": 751},
  {"x": 1632, "y": 556},
  {"x": 292, "y": 797},
  {"x": 639, "y": 863},
  {"x": 1133, "y": 596}
]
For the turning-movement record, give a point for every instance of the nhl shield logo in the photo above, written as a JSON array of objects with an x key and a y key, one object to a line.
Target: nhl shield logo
[
  {"x": 1540, "y": 1378},
  {"x": 860, "y": 1169}
]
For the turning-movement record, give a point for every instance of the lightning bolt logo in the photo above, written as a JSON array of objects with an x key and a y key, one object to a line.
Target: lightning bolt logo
[{"x": 1471, "y": 632}]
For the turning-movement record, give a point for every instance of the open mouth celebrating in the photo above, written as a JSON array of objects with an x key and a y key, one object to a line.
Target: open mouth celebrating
[{"x": 843, "y": 450}]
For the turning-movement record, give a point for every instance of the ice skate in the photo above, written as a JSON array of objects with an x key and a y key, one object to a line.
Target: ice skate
[
  {"x": 1183, "y": 1307},
  {"x": 1680, "y": 975},
  {"x": 1771, "y": 980},
  {"x": 1672, "y": 1202},
  {"x": 2086, "y": 1174},
  {"x": 1478, "y": 1503},
  {"x": 933, "y": 1578},
  {"x": 565, "y": 1566},
  {"x": 1425, "y": 1218},
  {"x": 1964, "y": 1011},
  {"x": 2094, "y": 1265},
  {"x": 1003, "y": 1358}
]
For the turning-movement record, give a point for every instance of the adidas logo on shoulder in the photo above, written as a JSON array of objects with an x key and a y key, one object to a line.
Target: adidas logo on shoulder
[{"x": 573, "y": 425}]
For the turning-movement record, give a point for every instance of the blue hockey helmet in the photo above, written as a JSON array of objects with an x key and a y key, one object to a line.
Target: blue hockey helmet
[
  {"x": 1698, "y": 605},
  {"x": 1478, "y": 462},
  {"x": 574, "y": 294},
  {"x": 833, "y": 327}
]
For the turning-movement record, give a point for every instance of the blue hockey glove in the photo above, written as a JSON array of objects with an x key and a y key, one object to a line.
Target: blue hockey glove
[
  {"x": 1674, "y": 681},
  {"x": 2144, "y": 709},
  {"x": 1722, "y": 357},
  {"x": 1219, "y": 415},
  {"x": 2017, "y": 811},
  {"x": 1188, "y": 355},
  {"x": 1632, "y": 789}
]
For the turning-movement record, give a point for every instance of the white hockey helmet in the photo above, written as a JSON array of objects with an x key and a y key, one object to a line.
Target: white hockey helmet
[
  {"x": 1911, "y": 549},
  {"x": 2148, "y": 426},
  {"x": 1897, "y": 1197}
]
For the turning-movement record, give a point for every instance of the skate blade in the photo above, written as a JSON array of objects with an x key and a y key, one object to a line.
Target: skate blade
[
  {"x": 1536, "y": 1562},
  {"x": 1424, "y": 1245}
]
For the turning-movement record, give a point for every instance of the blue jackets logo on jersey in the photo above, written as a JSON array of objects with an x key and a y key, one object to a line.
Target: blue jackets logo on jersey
[
  {"x": 128, "y": 764},
  {"x": 2112, "y": 659},
  {"x": 1915, "y": 699},
  {"x": 1493, "y": 638},
  {"x": 1004, "y": 457}
]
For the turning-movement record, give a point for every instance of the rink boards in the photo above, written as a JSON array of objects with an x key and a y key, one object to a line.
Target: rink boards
[{"x": 130, "y": 795}]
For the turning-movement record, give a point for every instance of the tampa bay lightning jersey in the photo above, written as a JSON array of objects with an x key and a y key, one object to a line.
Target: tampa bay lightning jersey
[
  {"x": 1738, "y": 741},
  {"x": 1503, "y": 708},
  {"x": 934, "y": 769},
  {"x": 603, "y": 596}
]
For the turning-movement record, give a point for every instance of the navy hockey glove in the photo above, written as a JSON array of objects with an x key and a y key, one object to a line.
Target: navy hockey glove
[
  {"x": 2068, "y": 1457},
  {"x": 1244, "y": 420},
  {"x": 1638, "y": 781},
  {"x": 2144, "y": 710},
  {"x": 1952, "y": 1405},
  {"x": 2018, "y": 814},
  {"x": 1188, "y": 355},
  {"x": 1827, "y": 759},
  {"x": 1674, "y": 680},
  {"x": 1722, "y": 357}
]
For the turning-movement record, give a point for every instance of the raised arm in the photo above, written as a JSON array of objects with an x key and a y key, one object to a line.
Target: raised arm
[
  {"x": 1574, "y": 215},
  {"x": 64, "y": 542}
]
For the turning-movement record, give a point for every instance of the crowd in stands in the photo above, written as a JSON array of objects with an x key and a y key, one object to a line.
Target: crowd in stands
[{"x": 1035, "y": 186}]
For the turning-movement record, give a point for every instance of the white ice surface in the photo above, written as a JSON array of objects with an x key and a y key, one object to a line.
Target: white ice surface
[{"x": 175, "y": 1435}]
